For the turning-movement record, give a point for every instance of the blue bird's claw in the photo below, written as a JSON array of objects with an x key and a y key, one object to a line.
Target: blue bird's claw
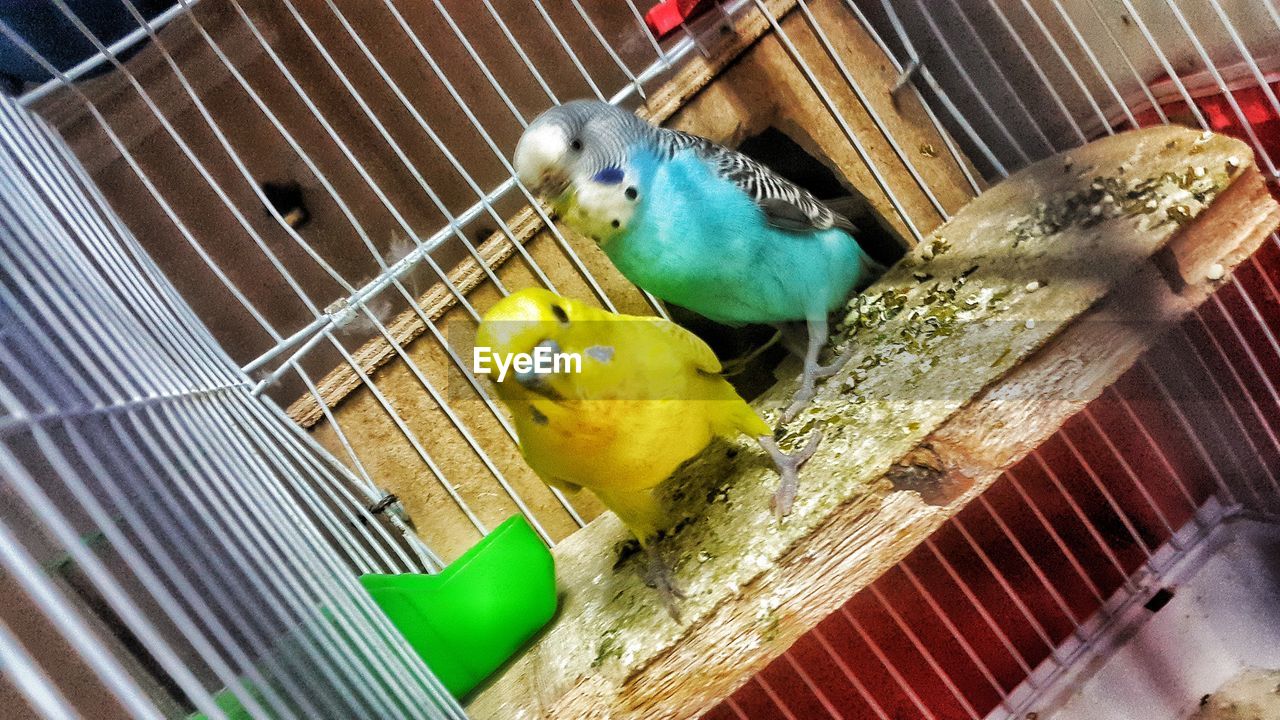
[{"x": 817, "y": 328}]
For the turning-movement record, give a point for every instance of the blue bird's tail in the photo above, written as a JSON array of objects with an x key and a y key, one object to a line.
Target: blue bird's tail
[{"x": 871, "y": 271}]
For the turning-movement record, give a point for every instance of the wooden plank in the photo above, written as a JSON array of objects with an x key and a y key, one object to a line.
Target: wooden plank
[{"x": 972, "y": 367}]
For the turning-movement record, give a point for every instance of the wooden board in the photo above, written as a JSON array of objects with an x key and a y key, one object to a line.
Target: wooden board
[{"x": 960, "y": 380}]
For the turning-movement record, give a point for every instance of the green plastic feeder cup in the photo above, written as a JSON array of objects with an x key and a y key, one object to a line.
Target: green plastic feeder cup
[{"x": 467, "y": 620}]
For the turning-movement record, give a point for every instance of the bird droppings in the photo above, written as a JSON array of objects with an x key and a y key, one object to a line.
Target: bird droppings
[
  {"x": 1033, "y": 286},
  {"x": 1216, "y": 272},
  {"x": 1165, "y": 198}
]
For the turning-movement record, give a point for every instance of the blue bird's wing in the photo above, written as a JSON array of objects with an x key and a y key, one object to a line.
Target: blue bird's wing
[{"x": 786, "y": 206}]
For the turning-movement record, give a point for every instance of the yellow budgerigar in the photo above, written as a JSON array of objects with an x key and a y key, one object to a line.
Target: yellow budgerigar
[{"x": 615, "y": 403}]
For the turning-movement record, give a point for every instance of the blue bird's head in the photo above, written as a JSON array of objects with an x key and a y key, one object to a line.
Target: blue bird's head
[{"x": 573, "y": 142}]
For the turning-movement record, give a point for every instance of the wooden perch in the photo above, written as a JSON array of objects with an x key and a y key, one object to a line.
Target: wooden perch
[{"x": 1033, "y": 299}]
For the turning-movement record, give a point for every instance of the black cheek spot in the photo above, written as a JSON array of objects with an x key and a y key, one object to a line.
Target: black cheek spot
[
  {"x": 632, "y": 193},
  {"x": 560, "y": 314},
  {"x": 615, "y": 223},
  {"x": 537, "y": 417}
]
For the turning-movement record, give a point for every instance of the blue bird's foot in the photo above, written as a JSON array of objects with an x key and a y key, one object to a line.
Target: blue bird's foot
[
  {"x": 826, "y": 371},
  {"x": 817, "y": 328},
  {"x": 660, "y": 577},
  {"x": 788, "y": 468},
  {"x": 802, "y": 397}
]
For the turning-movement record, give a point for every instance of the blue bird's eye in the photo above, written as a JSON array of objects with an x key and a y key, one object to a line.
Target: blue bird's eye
[{"x": 609, "y": 176}]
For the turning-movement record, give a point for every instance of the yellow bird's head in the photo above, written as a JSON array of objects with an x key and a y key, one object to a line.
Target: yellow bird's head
[
  {"x": 531, "y": 323},
  {"x": 522, "y": 320}
]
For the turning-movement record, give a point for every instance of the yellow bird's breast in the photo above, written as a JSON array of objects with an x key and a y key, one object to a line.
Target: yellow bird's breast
[{"x": 615, "y": 444}]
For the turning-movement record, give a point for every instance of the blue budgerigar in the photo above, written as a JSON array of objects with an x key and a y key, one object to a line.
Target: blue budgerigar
[{"x": 698, "y": 224}]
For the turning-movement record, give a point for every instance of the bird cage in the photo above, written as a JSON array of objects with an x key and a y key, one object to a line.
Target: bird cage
[{"x": 248, "y": 242}]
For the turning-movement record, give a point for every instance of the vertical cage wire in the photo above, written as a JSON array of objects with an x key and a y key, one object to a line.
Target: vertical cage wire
[{"x": 123, "y": 417}]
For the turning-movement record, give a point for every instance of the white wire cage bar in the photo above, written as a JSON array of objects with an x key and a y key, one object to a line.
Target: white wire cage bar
[{"x": 208, "y": 535}]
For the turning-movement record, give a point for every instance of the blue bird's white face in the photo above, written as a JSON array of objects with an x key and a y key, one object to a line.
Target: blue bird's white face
[
  {"x": 543, "y": 159},
  {"x": 599, "y": 210}
]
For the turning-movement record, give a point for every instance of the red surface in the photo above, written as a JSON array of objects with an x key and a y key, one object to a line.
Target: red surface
[
  {"x": 1039, "y": 552},
  {"x": 667, "y": 16}
]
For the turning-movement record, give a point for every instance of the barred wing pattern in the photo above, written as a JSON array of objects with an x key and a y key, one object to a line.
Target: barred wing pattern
[{"x": 785, "y": 204}]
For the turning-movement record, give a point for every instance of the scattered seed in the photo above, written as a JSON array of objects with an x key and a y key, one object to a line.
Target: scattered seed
[
  {"x": 1233, "y": 164},
  {"x": 1033, "y": 286},
  {"x": 1216, "y": 271},
  {"x": 1029, "y": 324}
]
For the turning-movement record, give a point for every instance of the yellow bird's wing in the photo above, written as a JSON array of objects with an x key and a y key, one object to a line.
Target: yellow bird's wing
[{"x": 684, "y": 344}]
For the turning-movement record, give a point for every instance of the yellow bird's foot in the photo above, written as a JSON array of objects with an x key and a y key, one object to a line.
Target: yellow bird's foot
[
  {"x": 660, "y": 577},
  {"x": 788, "y": 468},
  {"x": 729, "y": 368}
]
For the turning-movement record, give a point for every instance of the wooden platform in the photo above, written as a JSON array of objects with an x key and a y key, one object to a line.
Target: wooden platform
[{"x": 1038, "y": 295}]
